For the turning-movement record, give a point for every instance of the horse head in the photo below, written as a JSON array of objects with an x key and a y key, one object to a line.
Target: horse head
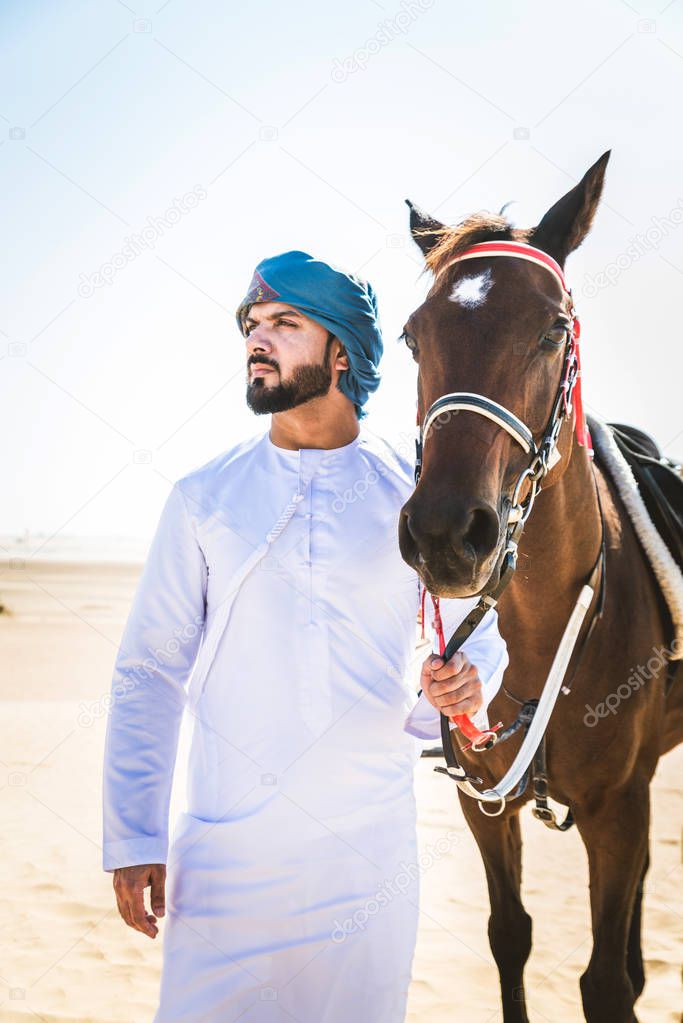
[{"x": 495, "y": 328}]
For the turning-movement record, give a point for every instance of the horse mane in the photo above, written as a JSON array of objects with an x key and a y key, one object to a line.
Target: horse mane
[{"x": 479, "y": 227}]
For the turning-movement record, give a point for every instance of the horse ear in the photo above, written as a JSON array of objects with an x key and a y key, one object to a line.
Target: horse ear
[
  {"x": 567, "y": 223},
  {"x": 424, "y": 229}
]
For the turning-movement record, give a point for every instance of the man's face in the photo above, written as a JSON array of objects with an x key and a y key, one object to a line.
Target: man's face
[{"x": 289, "y": 358}]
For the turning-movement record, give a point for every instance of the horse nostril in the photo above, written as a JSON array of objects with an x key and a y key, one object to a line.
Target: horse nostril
[
  {"x": 408, "y": 539},
  {"x": 481, "y": 532}
]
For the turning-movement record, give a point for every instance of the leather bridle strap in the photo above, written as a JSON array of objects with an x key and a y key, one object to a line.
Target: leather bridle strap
[
  {"x": 466, "y": 401},
  {"x": 486, "y": 739}
]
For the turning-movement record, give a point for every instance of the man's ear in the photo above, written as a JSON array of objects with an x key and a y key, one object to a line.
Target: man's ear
[
  {"x": 335, "y": 353},
  {"x": 342, "y": 360},
  {"x": 567, "y": 223}
]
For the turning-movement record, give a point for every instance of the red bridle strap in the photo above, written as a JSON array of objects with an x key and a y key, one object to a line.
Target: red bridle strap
[{"x": 518, "y": 249}]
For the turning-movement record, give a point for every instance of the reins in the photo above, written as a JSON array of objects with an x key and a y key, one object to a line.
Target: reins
[{"x": 534, "y": 714}]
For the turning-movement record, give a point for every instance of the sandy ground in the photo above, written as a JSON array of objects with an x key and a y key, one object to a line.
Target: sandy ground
[{"x": 67, "y": 956}]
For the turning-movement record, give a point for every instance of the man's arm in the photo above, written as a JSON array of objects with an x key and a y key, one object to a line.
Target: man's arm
[
  {"x": 485, "y": 649},
  {"x": 148, "y": 692}
]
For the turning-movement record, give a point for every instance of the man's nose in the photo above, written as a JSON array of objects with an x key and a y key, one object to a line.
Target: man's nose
[{"x": 258, "y": 342}]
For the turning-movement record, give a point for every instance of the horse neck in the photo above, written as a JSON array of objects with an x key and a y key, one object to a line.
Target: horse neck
[{"x": 562, "y": 538}]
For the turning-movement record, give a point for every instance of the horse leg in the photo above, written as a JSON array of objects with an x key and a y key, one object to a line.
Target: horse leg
[
  {"x": 500, "y": 843},
  {"x": 673, "y": 720},
  {"x": 634, "y": 952},
  {"x": 615, "y": 834}
]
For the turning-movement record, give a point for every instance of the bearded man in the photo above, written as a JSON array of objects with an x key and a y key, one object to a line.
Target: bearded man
[{"x": 275, "y": 608}]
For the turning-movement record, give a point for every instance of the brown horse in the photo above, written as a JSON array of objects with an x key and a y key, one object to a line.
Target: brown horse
[{"x": 498, "y": 327}]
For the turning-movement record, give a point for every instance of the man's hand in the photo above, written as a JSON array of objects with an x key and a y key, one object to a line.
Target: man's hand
[
  {"x": 130, "y": 884},
  {"x": 453, "y": 687}
]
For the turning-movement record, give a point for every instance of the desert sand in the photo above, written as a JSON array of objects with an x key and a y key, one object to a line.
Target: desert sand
[{"x": 66, "y": 954}]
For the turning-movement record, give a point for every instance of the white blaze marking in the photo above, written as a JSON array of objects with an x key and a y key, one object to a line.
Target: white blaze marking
[{"x": 472, "y": 291}]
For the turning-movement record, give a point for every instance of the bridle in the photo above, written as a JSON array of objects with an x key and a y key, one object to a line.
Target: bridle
[{"x": 542, "y": 457}]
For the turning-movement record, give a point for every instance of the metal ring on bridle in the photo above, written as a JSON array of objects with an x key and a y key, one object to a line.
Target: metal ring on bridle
[
  {"x": 529, "y": 474},
  {"x": 487, "y": 741},
  {"x": 497, "y": 812}
]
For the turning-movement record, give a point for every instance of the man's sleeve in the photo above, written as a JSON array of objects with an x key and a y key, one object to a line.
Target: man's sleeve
[
  {"x": 148, "y": 691},
  {"x": 486, "y": 650}
]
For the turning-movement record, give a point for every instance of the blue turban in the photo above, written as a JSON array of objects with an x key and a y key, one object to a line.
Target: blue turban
[{"x": 341, "y": 302}]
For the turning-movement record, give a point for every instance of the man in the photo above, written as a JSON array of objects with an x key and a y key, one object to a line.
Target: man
[{"x": 293, "y": 883}]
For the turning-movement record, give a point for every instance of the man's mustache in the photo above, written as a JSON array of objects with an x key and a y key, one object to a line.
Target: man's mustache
[{"x": 260, "y": 361}]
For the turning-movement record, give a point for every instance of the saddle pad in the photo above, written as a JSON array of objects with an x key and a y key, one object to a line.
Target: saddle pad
[
  {"x": 660, "y": 484},
  {"x": 664, "y": 564}
]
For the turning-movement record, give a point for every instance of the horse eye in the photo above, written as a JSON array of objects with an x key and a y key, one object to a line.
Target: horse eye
[
  {"x": 410, "y": 342},
  {"x": 556, "y": 336}
]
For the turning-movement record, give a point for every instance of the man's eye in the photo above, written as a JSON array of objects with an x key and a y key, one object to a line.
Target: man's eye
[{"x": 285, "y": 323}]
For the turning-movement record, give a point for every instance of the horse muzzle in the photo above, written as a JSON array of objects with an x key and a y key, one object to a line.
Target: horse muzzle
[{"x": 453, "y": 546}]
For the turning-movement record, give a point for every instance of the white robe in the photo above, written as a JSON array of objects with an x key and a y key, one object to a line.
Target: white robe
[{"x": 293, "y": 873}]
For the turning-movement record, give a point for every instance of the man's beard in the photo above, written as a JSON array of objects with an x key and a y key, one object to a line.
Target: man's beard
[{"x": 306, "y": 382}]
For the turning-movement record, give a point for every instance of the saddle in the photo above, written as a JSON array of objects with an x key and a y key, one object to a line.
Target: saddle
[{"x": 660, "y": 483}]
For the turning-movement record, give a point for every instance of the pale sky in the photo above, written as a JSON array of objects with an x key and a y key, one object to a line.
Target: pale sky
[{"x": 304, "y": 126}]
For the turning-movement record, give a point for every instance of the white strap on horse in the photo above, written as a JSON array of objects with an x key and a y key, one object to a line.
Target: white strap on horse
[{"x": 546, "y": 704}]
